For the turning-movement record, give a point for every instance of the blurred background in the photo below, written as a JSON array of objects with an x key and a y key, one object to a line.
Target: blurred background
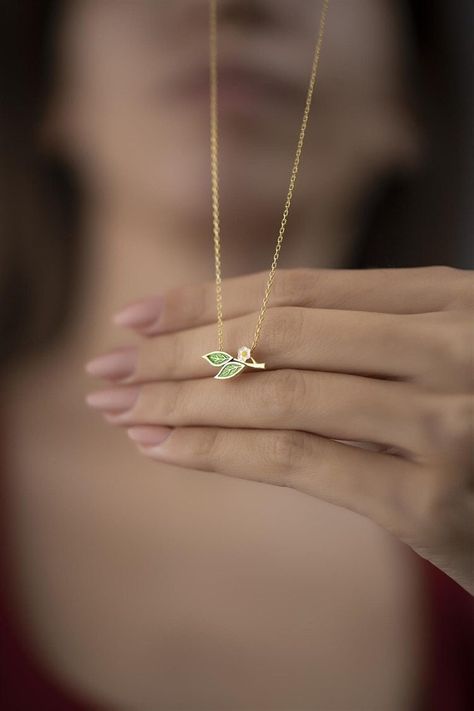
[{"x": 127, "y": 584}]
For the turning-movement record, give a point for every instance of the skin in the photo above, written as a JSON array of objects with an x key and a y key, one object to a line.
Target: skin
[
  {"x": 401, "y": 355},
  {"x": 132, "y": 574}
]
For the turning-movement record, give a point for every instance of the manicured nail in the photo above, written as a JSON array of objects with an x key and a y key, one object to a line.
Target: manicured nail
[
  {"x": 141, "y": 314},
  {"x": 116, "y": 400},
  {"x": 149, "y": 436},
  {"x": 116, "y": 365}
]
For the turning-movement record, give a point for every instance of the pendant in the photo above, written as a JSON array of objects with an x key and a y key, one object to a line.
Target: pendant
[{"x": 230, "y": 366}]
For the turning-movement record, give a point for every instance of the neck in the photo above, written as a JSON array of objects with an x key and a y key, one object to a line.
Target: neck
[{"x": 130, "y": 257}]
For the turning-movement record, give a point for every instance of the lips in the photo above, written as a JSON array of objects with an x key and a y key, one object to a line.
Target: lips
[{"x": 236, "y": 85}]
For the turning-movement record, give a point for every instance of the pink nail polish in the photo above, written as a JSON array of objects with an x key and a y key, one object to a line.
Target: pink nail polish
[
  {"x": 116, "y": 365},
  {"x": 141, "y": 314},
  {"x": 149, "y": 436},
  {"x": 116, "y": 400}
]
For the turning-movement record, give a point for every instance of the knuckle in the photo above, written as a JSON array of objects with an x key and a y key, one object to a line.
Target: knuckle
[
  {"x": 447, "y": 421},
  {"x": 283, "y": 452},
  {"x": 463, "y": 290},
  {"x": 205, "y": 445},
  {"x": 285, "y": 327},
  {"x": 442, "y": 271},
  {"x": 282, "y": 394},
  {"x": 421, "y": 504},
  {"x": 456, "y": 343},
  {"x": 204, "y": 302},
  {"x": 294, "y": 287},
  {"x": 184, "y": 305},
  {"x": 438, "y": 508},
  {"x": 173, "y": 353},
  {"x": 447, "y": 338},
  {"x": 159, "y": 403},
  {"x": 459, "y": 420},
  {"x": 170, "y": 401},
  {"x": 425, "y": 510},
  {"x": 443, "y": 274}
]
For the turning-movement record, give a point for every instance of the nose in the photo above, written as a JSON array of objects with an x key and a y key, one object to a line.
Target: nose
[{"x": 244, "y": 12}]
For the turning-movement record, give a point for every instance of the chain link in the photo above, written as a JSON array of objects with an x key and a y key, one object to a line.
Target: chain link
[{"x": 214, "y": 145}]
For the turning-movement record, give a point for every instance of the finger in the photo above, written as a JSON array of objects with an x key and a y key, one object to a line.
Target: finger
[
  {"x": 398, "y": 291},
  {"x": 338, "y": 406},
  {"x": 370, "y": 483},
  {"x": 353, "y": 342}
]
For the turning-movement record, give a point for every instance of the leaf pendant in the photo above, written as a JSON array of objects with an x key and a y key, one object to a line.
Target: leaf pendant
[
  {"x": 230, "y": 370},
  {"x": 230, "y": 366},
  {"x": 217, "y": 357}
]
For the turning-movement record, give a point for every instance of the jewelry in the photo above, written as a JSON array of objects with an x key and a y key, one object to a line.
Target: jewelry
[{"x": 230, "y": 366}]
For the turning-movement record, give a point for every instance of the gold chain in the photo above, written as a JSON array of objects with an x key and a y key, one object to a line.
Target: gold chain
[{"x": 214, "y": 144}]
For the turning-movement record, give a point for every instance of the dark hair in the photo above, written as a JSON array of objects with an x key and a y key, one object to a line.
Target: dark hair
[
  {"x": 407, "y": 220},
  {"x": 39, "y": 200}
]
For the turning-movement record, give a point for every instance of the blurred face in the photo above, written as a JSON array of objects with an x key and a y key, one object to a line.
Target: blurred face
[{"x": 132, "y": 103}]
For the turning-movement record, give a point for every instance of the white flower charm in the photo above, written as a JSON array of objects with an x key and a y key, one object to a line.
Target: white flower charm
[
  {"x": 230, "y": 366},
  {"x": 243, "y": 354}
]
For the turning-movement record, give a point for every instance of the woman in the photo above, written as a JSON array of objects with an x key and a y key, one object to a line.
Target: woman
[{"x": 142, "y": 583}]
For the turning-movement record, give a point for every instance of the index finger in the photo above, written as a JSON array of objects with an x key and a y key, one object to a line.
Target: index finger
[{"x": 396, "y": 291}]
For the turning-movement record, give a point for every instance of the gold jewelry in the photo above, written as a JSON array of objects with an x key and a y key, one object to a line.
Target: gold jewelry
[{"x": 230, "y": 366}]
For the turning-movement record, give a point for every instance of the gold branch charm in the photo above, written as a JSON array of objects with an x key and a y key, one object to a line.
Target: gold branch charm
[{"x": 230, "y": 366}]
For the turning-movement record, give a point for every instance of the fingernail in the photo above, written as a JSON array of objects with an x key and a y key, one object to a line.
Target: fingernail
[
  {"x": 149, "y": 436},
  {"x": 141, "y": 314},
  {"x": 116, "y": 365},
  {"x": 115, "y": 400}
]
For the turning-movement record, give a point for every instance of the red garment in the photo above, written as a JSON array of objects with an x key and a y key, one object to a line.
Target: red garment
[
  {"x": 450, "y": 669},
  {"x": 25, "y": 686}
]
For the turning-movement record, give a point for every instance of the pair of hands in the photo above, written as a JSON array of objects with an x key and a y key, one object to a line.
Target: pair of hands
[{"x": 366, "y": 402}]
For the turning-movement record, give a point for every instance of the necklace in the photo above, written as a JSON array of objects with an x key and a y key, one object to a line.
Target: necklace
[{"x": 230, "y": 366}]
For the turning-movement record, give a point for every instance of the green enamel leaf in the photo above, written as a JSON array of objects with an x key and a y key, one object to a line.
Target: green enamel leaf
[
  {"x": 217, "y": 358},
  {"x": 230, "y": 370}
]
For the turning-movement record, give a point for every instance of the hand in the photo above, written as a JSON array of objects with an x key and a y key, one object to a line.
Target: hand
[{"x": 379, "y": 358}]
